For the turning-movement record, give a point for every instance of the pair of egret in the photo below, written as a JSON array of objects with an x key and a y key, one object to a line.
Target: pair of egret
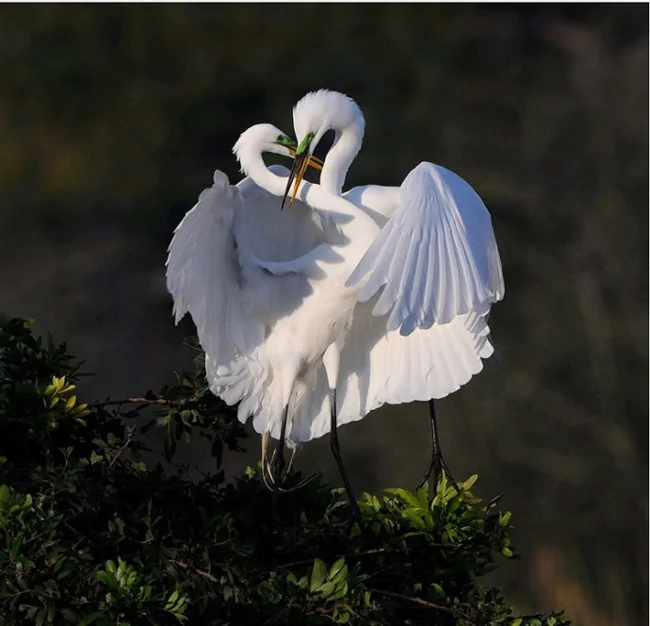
[{"x": 312, "y": 317}]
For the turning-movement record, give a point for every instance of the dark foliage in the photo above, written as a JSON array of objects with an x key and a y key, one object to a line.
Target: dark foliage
[{"x": 89, "y": 534}]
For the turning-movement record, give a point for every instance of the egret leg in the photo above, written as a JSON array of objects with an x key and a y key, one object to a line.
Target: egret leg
[
  {"x": 274, "y": 468},
  {"x": 280, "y": 463},
  {"x": 266, "y": 438},
  {"x": 334, "y": 445},
  {"x": 437, "y": 465}
]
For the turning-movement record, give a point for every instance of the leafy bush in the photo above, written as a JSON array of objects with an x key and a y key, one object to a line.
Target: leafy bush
[{"x": 89, "y": 534}]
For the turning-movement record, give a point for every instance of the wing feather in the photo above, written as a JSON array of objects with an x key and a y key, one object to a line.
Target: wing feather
[
  {"x": 204, "y": 277},
  {"x": 379, "y": 367},
  {"x": 436, "y": 257},
  {"x": 215, "y": 269}
]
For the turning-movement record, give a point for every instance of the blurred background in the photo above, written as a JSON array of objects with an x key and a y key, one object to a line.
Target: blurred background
[{"x": 113, "y": 118}]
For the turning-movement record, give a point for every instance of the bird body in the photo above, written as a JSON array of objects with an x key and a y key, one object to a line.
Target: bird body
[{"x": 380, "y": 294}]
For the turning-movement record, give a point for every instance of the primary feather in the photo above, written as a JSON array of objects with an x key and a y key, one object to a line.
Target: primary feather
[{"x": 436, "y": 257}]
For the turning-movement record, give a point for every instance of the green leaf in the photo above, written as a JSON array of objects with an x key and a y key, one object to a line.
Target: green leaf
[
  {"x": 326, "y": 589},
  {"x": 317, "y": 575},
  {"x": 438, "y": 589},
  {"x": 405, "y": 496},
  {"x": 172, "y": 599},
  {"x": 504, "y": 518},
  {"x": 336, "y": 568},
  {"x": 40, "y": 617},
  {"x": 108, "y": 579}
]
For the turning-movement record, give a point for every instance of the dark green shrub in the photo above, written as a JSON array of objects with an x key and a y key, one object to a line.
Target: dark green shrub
[{"x": 89, "y": 534}]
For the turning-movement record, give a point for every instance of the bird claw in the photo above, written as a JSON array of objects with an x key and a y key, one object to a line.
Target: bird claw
[
  {"x": 437, "y": 469},
  {"x": 274, "y": 475}
]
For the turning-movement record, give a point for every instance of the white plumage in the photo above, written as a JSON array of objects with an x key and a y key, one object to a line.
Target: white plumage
[
  {"x": 436, "y": 257},
  {"x": 382, "y": 293},
  {"x": 215, "y": 264}
]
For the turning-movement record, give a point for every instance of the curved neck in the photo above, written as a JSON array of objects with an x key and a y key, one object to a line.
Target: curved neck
[
  {"x": 353, "y": 223},
  {"x": 346, "y": 146},
  {"x": 356, "y": 229},
  {"x": 252, "y": 164}
]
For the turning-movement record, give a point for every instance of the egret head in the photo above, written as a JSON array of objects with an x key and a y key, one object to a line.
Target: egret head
[
  {"x": 315, "y": 114},
  {"x": 261, "y": 138}
]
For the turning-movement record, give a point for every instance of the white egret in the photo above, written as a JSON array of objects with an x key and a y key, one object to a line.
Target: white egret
[
  {"x": 374, "y": 360},
  {"x": 435, "y": 260},
  {"x": 269, "y": 324},
  {"x": 215, "y": 270},
  {"x": 265, "y": 334},
  {"x": 215, "y": 262}
]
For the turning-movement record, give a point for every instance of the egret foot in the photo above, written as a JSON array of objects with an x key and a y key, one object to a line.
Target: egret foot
[
  {"x": 437, "y": 465},
  {"x": 273, "y": 473},
  {"x": 272, "y": 470}
]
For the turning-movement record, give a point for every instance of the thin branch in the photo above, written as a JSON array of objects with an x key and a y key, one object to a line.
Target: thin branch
[
  {"x": 122, "y": 448},
  {"x": 200, "y": 572},
  {"x": 364, "y": 553},
  {"x": 159, "y": 401},
  {"x": 418, "y": 601},
  {"x": 342, "y": 556}
]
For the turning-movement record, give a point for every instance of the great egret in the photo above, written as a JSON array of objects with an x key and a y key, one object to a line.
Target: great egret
[
  {"x": 265, "y": 333},
  {"x": 216, "y": 256},
  {"x": 436, "y": 256},
  {"x": 268, "y": 323},
  {"x": 215, "y": 272},
  {"x": 366, "y": 364}
]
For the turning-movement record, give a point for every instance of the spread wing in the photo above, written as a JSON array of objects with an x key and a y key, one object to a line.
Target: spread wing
[
  {"x": 379, "y": 367},
  {"x": 436, "y": 257},
  {"x": 213, "y": 274}
]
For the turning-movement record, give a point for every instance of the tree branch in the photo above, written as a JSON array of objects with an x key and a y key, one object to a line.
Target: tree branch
[
  {"x": 200, "y": 572},
  {"x": 159, "y": 401},
  {"x": 412, "y": 600},
  {"x": 341, "y": 556}
]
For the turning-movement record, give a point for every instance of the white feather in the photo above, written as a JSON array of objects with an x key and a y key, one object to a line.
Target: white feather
[
  {"x": 215, "y": 273},
  {"x": 397, "y": 283},
  {"x": 423, "y": 284},
  {"x": 380, "y": 368}
]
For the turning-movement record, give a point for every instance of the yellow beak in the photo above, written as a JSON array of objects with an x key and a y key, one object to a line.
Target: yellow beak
[
  {"x": 298, "y": 170},
  {"x": 314, "y": 162}
]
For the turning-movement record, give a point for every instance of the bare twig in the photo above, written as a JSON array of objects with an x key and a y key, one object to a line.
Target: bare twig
[
  {"x": 159, "y": 401},
  {"x": 342, "y": 556},
  {"x": 123, "y": 447},
  {"x": 412, "y": 600},
  {"x": 200, "y": 572}
]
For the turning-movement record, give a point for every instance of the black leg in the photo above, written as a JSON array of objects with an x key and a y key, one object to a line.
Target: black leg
[
  {"x": 437, "y": 464},
  {"x": 279, "y": 464},
  {"x": 273, "y": 468},
  {"x": 334, "y": 445},
  {"x": 266, "y": 463}
]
